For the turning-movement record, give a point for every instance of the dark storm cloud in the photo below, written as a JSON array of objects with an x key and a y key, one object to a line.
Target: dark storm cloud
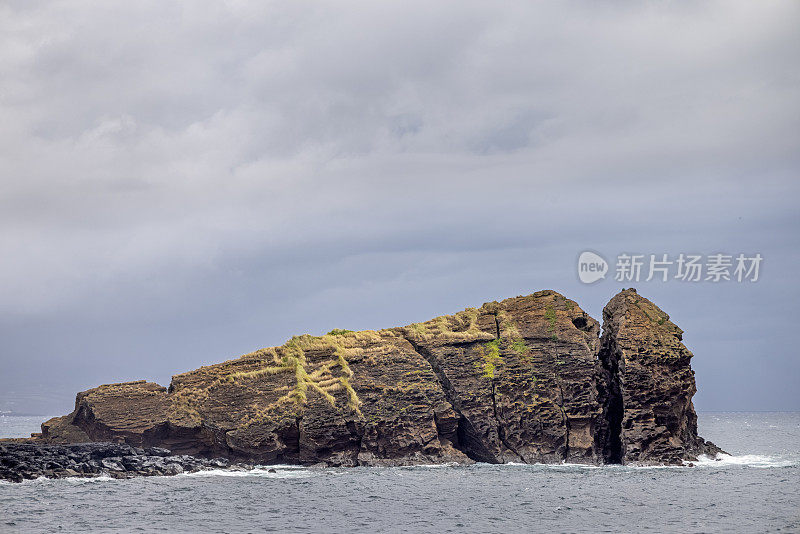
[{"x": 183, "y": 182}]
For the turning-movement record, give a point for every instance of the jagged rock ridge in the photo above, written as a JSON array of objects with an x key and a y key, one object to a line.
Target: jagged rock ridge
[{"x": 527, "y": 380}]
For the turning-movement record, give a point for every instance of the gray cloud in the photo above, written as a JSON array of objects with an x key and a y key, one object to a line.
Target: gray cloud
[{"x": 184, "y": 183}]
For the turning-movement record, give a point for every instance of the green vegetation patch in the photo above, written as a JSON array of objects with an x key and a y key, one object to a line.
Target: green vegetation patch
[
  {"x": 491, "y": 357},
  {"x": 654, "y": 314},
  {"x": 340, "y": 332},
  {"x": 550, "y": 315},
  {"x": 520, "y": 347}
]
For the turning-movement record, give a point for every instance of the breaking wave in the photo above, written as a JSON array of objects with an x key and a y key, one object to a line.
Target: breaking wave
[{"x": 745, "y": 460}]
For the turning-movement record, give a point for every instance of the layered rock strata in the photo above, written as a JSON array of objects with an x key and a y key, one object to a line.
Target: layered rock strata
[
  {"x": 646, "y": 386},
  {"x": 528, "y": 379}
]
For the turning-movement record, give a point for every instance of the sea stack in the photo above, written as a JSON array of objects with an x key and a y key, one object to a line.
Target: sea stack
[{"x": 528, "y": 379}]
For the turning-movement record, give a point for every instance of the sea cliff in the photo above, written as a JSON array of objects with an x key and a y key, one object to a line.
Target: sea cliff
[{"x": 527, "y": 379}]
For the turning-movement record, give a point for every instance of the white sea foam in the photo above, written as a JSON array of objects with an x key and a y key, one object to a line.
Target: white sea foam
[
  {"x": 284, "y": 471},
  {"x": 428, "y": 466},
  {"x": 67, "y": 480},
  {"x": 562, "y": 465},
  {"x": 88, "y": 480},
  {"x": 747, "y": 460},
  {"x": 720, "y": 461}
]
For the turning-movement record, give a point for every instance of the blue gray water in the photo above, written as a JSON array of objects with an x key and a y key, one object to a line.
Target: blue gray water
[{"x": 755, "y": 490}]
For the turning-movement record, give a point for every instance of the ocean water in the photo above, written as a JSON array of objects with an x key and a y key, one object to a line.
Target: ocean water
[
  {"x": 756, "y": 489},
  {"x": 21, "y": 426}
]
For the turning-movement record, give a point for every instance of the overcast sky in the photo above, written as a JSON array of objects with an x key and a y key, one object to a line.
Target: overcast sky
[{"x": 184, "y": 182}]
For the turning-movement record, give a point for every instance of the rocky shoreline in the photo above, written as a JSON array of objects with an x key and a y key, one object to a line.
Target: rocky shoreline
[{"x": 27, "y": 461}]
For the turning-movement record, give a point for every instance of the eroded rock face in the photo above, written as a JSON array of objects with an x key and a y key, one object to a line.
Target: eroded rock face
[
  {"x": 646, "y": 387},
  {"x": 518, "y": 373},
  {"x": 523, "y": 380}
]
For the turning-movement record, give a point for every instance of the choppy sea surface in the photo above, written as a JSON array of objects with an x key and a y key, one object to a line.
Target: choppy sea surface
[{"x": 756, "y": 489}]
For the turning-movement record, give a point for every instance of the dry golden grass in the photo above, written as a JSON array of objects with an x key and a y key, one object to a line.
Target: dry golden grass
[
  {"x": 320, "y": 365},
  {"x": 459, "y": 328},
  {"x": 326, "y": 373}
]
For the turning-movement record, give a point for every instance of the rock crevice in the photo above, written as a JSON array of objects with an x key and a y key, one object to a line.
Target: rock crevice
[
  {"x": 501, "y": 434},
  {"x": 469, "y": 441},
  {"x": 566, "y": 418},
  {"x": 609, "y": 435}
]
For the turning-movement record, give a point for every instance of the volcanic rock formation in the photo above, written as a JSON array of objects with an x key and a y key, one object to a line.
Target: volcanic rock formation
[
  {"x": 527, "y": 380},
  {"x": 26, "y": 461}
]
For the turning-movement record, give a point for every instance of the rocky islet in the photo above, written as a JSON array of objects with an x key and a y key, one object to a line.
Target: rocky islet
[{"x": 528, "y": 379}]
